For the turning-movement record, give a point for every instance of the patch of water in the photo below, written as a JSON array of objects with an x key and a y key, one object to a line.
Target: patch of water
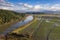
[{"x": 17, "y": 25}]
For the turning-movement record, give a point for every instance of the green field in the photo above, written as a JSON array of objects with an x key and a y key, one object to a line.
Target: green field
[
  {"x": 42, "y": 29},
  {"x": 48, "y": 29}
]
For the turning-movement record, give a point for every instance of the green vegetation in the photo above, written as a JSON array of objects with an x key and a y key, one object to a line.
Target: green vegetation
[
  {"x": 49, "y": 29},
  {"x": 30, "y": 28},
  {"x": 27, "y": 33},
  {"x": 8, "y": 18}
]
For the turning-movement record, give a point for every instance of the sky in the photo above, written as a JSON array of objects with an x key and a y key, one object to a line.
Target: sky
[{"x": 30, "y": 5}]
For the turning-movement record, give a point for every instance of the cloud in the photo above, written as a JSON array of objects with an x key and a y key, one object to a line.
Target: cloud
[
  {"x": 6, "y": 5},
  {"x": 28, "y": 7},
  {"x": 1, "y": 0},
  {"x": 55, "y": 7},
  {"x": 37, "y": 7}
]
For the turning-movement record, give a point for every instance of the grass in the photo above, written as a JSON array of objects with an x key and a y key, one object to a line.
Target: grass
[
  {"x": 55, "y": 35},
  {"x": 28, "y": 30},
  {"x": 24, "y": 27},
  {"x": 3, "y": 27},
  {"x": 43, "y": 30}
]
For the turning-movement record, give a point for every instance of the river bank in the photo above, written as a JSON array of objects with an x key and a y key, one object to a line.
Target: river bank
[
  {"x": 4, "y": 26},
  {"x": 17, "y": 25}
]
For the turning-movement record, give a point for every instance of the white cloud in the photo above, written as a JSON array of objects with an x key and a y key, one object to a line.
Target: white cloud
[
  {"x": 37, "y": 7},
  {"x": 55, "y": 7},
  {"x": 28, "y": 7},
  {"x": 1, "y": 0}
]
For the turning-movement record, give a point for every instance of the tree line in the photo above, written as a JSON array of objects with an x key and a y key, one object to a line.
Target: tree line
[{"x": 7, "y": 15}]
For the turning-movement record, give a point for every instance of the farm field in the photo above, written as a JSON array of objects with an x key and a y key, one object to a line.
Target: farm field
[
  {"x": 42, "y": 29},
  {"x": 29, "y": 19}
]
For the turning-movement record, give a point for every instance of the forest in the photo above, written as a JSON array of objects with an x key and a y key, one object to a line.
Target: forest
[{"x": 7, "y": 15}]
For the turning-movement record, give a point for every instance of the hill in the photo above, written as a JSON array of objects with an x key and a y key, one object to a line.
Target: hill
[{"x": 7, "y": 15}]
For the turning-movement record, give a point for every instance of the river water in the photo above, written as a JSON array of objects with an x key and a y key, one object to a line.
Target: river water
[{"x": 19, "y": 24}]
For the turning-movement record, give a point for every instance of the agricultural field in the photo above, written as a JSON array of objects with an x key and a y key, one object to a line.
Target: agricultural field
[
  {"x": 42, "y": 29},
  {"x": 29, "y": 19}
]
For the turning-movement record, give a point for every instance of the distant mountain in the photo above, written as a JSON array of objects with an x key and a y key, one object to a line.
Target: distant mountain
[
  {"x": 45, "y": 12},
  {"x": 51, "y": 12},
  {"x": 38, "y": 12}
]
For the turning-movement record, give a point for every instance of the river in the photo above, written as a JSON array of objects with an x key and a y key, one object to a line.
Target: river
[{"x": 19, "y": 24}]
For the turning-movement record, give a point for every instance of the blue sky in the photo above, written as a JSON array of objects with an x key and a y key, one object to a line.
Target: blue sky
[
  {"x": 35, "y": 1},
  {"x": 30, "y": 5}
]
